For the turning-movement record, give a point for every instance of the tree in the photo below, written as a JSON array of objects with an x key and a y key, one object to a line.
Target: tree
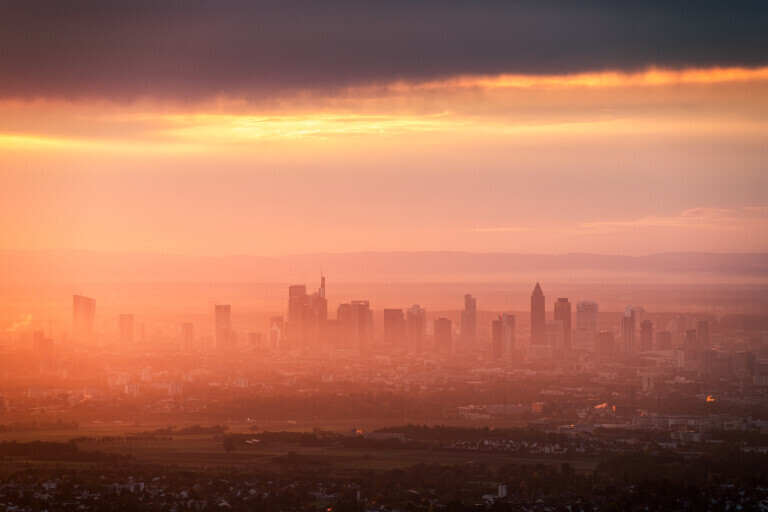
[{"x": 229, "y": 444}]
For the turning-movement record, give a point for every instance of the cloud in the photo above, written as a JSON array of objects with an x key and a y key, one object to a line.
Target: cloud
[
  {"x": 703, "y": 218},
  {"x": 708, "y": 213},
  {"x": 192, "y": 50},
  {"x": 760, "y": 210},
  {"x": 750, "y": 219},
  {"x": 650, "y": 102},
  {"x": 503, "y": 229}
]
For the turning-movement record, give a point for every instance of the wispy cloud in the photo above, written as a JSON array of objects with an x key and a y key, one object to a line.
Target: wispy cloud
[
  {"x": 502, "y": 229},
  {"x": 698, "y": 218},
  {"x": 708, "y": 218}
]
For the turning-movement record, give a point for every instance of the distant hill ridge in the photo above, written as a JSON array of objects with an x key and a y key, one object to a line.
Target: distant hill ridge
[{"x": 74, "y": 265}]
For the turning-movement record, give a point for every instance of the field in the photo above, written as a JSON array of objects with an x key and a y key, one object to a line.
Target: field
[{"x": 206, "y": 451}]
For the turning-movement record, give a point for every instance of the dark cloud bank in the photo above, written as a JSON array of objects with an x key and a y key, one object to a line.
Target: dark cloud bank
[{"x": 189, "y": 50}]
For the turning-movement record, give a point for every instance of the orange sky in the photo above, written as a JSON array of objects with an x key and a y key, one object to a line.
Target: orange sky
[{"x": 608, "y": 162}]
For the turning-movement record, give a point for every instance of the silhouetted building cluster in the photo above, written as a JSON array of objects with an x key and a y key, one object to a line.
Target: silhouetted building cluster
[{"x": 553, "y": 336}]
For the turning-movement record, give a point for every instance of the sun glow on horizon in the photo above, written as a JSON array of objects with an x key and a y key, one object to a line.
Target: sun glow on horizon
[
  {"x": 479, "y": 104},
  {"x": 648, "y": 77}
]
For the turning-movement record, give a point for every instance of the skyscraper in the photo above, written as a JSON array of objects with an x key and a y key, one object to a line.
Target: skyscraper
[
  {"x": 83, "y": 316},
  {"x": 346, "y": 336},
  {"x": 318, "y": 314},
  {"x": 415, "y": 324},
  {"x": 298, "y": 314},
  {"x": 503, "y": 336},
  {"x": 223, "y": 335},
  {"x": 394, "y": 327},
  {"x": 443, "y": 335},
  {"x": 553, "y": 335},
  {"x": 366, "y": 317},
  {"x": 126, "y": 328},
  {"x": 469, "y": 321},
  {"x": 354, "y": 324},
  {"x": 628, "y": 331},
  {"x": 691, "y": 344},
  {"x": 275, "y": 331},
  {"x": 586, "y": 325},
  {"x": 537, "y": 316},
  {"x": 646, "y": 336},
  {"x": 563, "y": 313},
  {"x": 307, "y": 315},
  {"x": 497, "y": 343}
]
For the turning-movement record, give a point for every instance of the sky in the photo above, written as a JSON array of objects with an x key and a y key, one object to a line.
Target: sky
[{"x": 291, "y": 127}]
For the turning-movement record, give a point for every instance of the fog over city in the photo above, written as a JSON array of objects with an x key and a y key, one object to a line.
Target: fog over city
[{"x": 383, "y": 256}]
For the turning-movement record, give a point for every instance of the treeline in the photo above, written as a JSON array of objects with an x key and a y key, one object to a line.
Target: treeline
[
  {"x": 160, "y": 434},
  {"x": 297, "y": 438},
  {"x": 42, "y": 425},
  {"x": 320, "y": 438},
  {"x": 51, "y": 450},
  {"x": 448, "y": 433},
  {"x": 721, "y": 465},
  {"x": 298, "y": 459},
  {"x": 128, "y": 438},
  {"x": 194, "y": 430}
]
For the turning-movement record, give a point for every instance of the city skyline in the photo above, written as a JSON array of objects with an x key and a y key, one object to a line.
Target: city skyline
[
  {"x": 309, "y": 328},
  {"x": 383, "y": 256}
]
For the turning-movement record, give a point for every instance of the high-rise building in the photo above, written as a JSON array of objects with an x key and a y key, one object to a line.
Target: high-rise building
[
  {"x": 553, "y": 335},
  {"x": 298, "y": 314},
  {"x": 83, "y": 316},
  {"x": 187, "y": 337},
  {"x": 563, "y": 313},
  {"x": 307, "y": 315},
  {"x": 508, "y": 324},
  {"x": 639, "y": 314},
  {"x": 275, "y": 331},
  {"x": 646, "y": 336},
  {"x": 628, "y": 331},
  {"x": 537, "y": 316},
  {"x": 503, "y": 336},
  {"x": 443, "y": 335},
  {"x": 318, "y": 314},
  {"x": 222, "y": 334},
  {"x": 586, "y": 325},
  {"x": 347, "y": 329},
  {"x": 354, "y": 324},
  {"x": 679, "y": 329},
  {"x": 126, "y": 328},
  {"x": 469, "y": 321},
  {"x": 497, "y": 343},
  {"x": 691, "y": 344},
  {"x": 394, "y": 327},
  {"x": 415, "y": 324}
]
